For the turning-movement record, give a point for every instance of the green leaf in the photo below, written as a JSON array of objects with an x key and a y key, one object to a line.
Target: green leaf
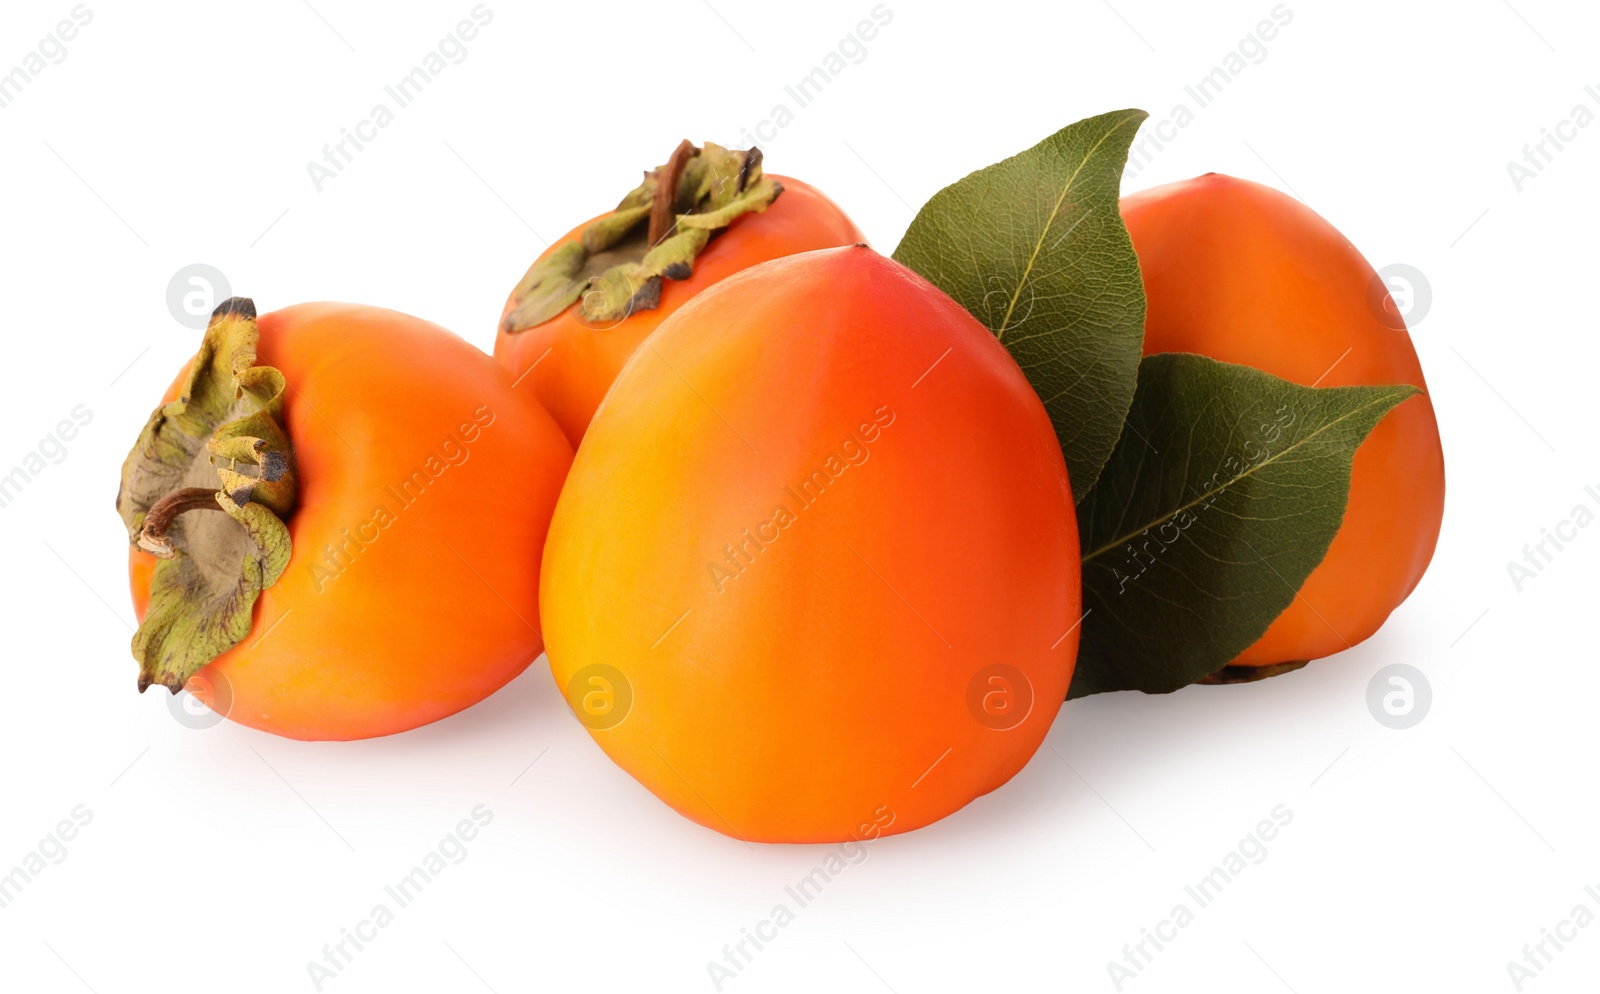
[
  {"x": 1221, "y": 498},
  {"x": 1034, "y": 247}
]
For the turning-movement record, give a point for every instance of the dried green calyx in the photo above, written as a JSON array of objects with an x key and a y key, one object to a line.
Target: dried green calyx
[
  {"x": 616, "y": 266},
  {"x": 219, "y": 447}
]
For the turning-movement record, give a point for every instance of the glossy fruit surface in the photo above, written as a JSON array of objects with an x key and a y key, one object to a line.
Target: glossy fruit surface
[
  {"x": 573, "y": 362},
  {"x": 1242, "y": 273},
  {"x": 814, "y": 575},
  {"x": 425, "y": 489}
]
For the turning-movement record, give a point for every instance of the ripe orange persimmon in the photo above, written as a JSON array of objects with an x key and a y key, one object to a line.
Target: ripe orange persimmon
[
  {"x": 587, "y": 302},
  {"x": 1242, "y": 273},
  {"x": 408, "y": 539},
  {"x": 814, "y": 574}
]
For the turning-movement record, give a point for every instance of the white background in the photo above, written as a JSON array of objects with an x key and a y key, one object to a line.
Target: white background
[{"x": 225, "y": 859}]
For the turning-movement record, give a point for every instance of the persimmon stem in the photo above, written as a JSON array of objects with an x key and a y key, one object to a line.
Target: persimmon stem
[
  {"x": 153, "y": 536},
  {"x": 752, "y": 159},
  {"x": 663, "y": 204}
]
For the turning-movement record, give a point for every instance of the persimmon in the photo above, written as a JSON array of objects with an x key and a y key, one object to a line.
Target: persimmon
[
  {"x": 589, "y": 300},
  {"x": 814, "y": 574},
  {"x": 337, "y": 515},
  {"x": 1241, "y": 273}
]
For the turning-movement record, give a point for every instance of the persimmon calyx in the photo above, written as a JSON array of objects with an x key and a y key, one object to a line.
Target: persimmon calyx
[
  {"x": 220, "y": 446},
  {"x": 616, "y": 266}
]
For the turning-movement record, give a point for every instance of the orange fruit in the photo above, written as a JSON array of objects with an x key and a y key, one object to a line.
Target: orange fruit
[
  {"x": 1242, "y": 273},
  {"x": 568, "y": 362},
  {"x": 814, "y": 574},
  {"x": 426, "y": 484}
]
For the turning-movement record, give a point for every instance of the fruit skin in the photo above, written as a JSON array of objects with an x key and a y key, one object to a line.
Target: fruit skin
[
  {"x": 1242, "y": 273},
  {"x": 822, "y": 695},
  {"x": 439, "y": 609},
  {"x": 583, "y": 360}
]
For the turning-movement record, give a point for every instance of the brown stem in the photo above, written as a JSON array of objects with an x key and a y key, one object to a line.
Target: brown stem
[
  {"x": 752, "y": 159},
  {"x": 663, "y": 205},
  {"x": 153, "y": 536}
]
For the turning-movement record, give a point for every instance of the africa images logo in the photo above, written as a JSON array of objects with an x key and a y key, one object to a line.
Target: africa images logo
[{"x": 741, "y": 554}]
